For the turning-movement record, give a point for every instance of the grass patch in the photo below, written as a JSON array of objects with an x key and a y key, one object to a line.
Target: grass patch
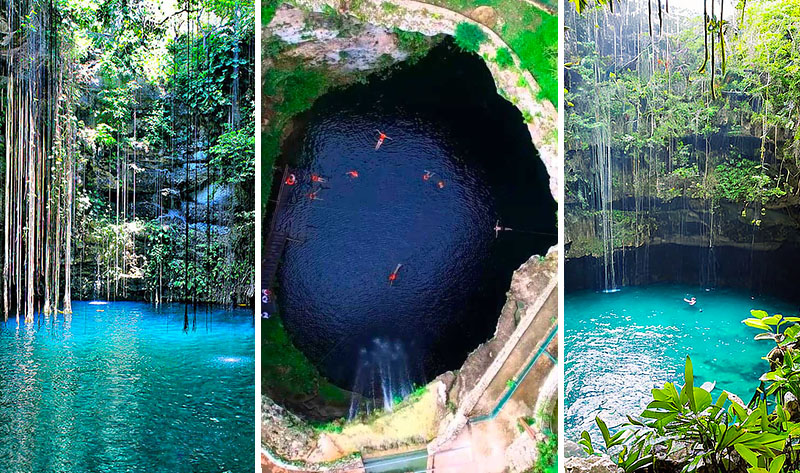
[
  {"x": 285, "y": 370},
  {"x": 531, "y": 33},
  {"x": 536, "y": 49}
]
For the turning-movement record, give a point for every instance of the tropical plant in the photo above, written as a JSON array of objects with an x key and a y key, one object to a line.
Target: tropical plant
[{"x": 706, "y": 433}]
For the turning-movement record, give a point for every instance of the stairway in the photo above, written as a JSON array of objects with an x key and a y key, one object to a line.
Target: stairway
[{"x": 273, "y": 251}]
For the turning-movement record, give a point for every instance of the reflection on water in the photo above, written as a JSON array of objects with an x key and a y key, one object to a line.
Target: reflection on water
[
  {"x": 648, "y": 332},
  {"x": 124, "y": 388}
]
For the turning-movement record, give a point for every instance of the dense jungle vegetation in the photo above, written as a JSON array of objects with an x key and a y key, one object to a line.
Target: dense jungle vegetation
[
  {"x": 704, "y": 108},
  {"x": 664, "y": 106},
  {"x": 128, "y": 151}
]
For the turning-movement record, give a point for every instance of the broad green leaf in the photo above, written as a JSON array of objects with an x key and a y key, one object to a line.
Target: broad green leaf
[
  {"x": 759, "y": 314},
  {"x": 748, "y": 455},
  {"x": 756, "y": 323},
  {"x": 792, "y": 331},
  {"x": 702, "y": 399},
  {"x": 586, "y": 441},
  {"x": 777, "y": 464},
  {"x": 604, "y": 431}
]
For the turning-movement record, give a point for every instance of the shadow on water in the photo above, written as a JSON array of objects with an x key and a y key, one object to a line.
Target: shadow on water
[{"x": 445, "y": 118}]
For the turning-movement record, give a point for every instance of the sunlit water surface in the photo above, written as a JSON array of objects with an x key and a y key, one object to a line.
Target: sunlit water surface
[
  {"x": 621, "y": 345},
  {"x": 120, "y": 387}
]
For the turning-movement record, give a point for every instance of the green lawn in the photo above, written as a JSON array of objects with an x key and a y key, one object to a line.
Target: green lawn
[{"x": 531, "y": 33}]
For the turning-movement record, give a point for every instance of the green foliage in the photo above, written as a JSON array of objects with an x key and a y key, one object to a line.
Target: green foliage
[
  {"x": 692, "y": 419},
  {"x": 745, "y": 182},
  {"x": 504, "y": 58},
  {"x": 469, "y": 37},
  {"x": 332, "y": 427},
  {"x": 537, "y": 48},
  {"x": 298, "y": 87},
  {"x": 234, "y": 155},
  {"x": 719, "y": 433},
  {"x": 415, "y": 44},
  {"x": 268, "y": 8},
  {"x": 547, "y": 460}
]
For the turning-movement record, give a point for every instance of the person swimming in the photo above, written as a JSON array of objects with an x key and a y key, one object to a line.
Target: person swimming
[
  {"x": 291, "y": 180},
  {"x": 440, "y": 184},
  {"x": 381, "y": 137},
  {"x": 353, "y": 174},
  {"x": 498, "y": 229},
  {"x": 393, "y": 276},
  {"x": 428, "y": 175},
  {"x": 691, "y": 301},
  {"x": 317, "y": 178},
  {"x": 313, "y": 195}
]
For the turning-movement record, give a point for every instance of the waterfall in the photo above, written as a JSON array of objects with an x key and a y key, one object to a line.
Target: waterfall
[{"x": 382, "y": 377}]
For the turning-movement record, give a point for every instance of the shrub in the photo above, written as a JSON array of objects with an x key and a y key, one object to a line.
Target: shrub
[
  {"x": 504, "y": 58},
  {"x": 469, "y": 37}
]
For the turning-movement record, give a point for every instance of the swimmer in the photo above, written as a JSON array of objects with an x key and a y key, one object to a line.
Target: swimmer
[
  {"x": 353, "y": 174},
  {"x": 393, "y": 276},
  {"x": 316, "y": 178},
  {"x": 440, "y": 184},
  {"x": 291, "y": 180},
  {"x": 691, "y": 301},
  {"x": 498, "y": 229},
  {"x": 428, "y": 175},
  {"x": 382, "y": 136},
  {"x": 313, "y": 195}
]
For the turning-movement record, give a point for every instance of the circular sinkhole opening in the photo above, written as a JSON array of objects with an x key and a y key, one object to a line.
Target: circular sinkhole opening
[{"x": 400, "y": 257}]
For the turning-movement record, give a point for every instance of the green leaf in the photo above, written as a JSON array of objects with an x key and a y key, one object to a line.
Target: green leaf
[
  {"x": 776, "y": 464},
  {"x": 759, "y": 314},
  {"x": 688, "y": 388},
  {"x": 756, "y": 323},
  {"x": 586, "y": 441},
  {"x": 792, "y": 331},
  {"x": 748, "y": 455}
]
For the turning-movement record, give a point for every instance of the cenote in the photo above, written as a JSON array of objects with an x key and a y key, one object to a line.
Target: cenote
[
  {"x": 443, "y": 115},
  {"x": 122, "y": 387},
  {"x": 647, "y": 332}
]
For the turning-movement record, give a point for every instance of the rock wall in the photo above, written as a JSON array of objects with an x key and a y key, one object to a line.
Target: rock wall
[{"x": 687, "y": 242}]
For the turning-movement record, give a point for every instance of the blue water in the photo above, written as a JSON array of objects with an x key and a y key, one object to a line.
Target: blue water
[
  {"x": 621, "y": 345},
  {"x": 121, "y": 387}
]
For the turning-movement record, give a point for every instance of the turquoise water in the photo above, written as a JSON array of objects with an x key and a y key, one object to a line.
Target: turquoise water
[
  {"x": 121, "y": 387},
  {"x": 621, "y": 345}
]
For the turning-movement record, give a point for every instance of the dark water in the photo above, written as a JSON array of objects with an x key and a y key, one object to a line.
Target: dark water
[
  {"x": 444, "y": 116},
  {"x": 121, "y": 387}
]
